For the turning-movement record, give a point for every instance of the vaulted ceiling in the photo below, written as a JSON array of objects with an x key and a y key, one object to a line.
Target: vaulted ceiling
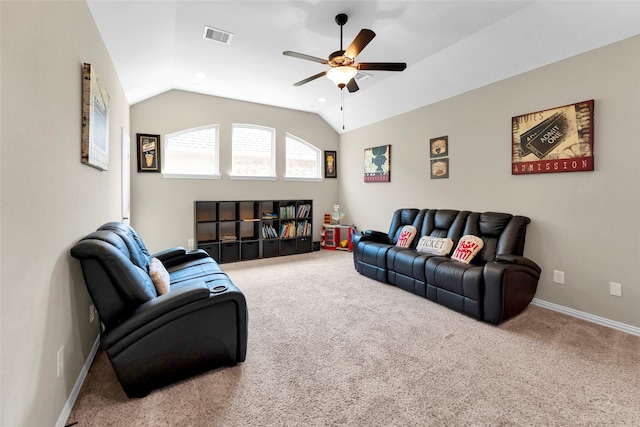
[{"x": 450, "y": 47}]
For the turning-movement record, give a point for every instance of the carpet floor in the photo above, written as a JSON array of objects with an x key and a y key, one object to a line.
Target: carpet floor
[{"x": 329, "y": 347}]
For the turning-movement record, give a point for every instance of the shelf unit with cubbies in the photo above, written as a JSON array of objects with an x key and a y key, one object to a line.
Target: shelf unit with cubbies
[{"x": 248, "y": 229}]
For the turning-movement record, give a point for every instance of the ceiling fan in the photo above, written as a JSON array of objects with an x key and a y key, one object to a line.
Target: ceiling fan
[{"x": 343, "y": 66}]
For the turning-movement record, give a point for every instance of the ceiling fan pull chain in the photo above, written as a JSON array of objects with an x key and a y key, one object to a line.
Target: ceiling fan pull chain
[{"x": 342, "y": 106}]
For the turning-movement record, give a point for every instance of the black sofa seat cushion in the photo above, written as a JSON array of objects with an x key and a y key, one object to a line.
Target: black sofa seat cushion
[
  {"x": 463, "y": 285},
  {"x": 406, "y": 267}
]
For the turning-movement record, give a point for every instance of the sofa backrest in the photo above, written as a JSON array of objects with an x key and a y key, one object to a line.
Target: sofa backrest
[
  {"x": 502, "y": 233},
  {"x": 116, "y": 284},
  {"x": 402, "y": 217},
  {"x": 443, "y": 223},
  {"x": 140, "y": 256}
]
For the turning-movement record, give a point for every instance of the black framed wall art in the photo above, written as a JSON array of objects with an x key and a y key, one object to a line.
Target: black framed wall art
[
  {"x": 148, "y": 152},
  {"x": 330, "y": 164}
]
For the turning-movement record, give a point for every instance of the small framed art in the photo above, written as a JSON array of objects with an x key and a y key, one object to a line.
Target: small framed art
[
  {"x": 330, "y": 168},
  {"x": 440, "y": 168},
  {"x": 148, "y": 152},
  {"x": 439, "y": 147}
]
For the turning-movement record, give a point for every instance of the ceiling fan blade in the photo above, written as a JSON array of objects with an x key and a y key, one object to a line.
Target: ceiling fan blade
[
  {"x": 352, "y": 86},
  {"x": 382, "y": 66},
  {"x": 308, "y": 79},
  {"x": 362, "y": 39},
  {"x": 303, "y": 56}
]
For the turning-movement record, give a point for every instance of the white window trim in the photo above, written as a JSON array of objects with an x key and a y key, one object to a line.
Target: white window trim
[
  {"x": 293, "y": 178},
  {"x": 318, "y": 151},
  {"x": 189, "y": 176},
  {"x": 252, "y": 178},
  {"x": 273, "y": 175}
]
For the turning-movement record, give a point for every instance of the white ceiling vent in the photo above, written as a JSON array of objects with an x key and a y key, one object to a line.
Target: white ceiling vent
[
  {"x": 362, "y": 76},
  {"x": 217, "y": 35}
]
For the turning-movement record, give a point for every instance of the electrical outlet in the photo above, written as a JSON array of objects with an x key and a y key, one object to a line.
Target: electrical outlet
[
  {"x": 558, "y": 277},
  {"x": 190, "y": 243},
  {"x": 92, "y": 313},
  {"x": 615, "y": 289},
  {"x": 60, "y": 360}
]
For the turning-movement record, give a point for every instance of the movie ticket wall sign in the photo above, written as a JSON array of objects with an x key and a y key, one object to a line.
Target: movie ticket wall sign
[{"x": 555, "y": 140}]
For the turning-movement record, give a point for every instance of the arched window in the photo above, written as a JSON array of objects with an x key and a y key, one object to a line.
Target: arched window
[
  {"x": 192, "y": 153},
  {"x": 302, "y": 159}
]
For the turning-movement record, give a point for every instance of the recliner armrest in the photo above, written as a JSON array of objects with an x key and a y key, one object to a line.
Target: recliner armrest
[
  {"x": 518, "y": 260},
  {"x": 375, "y": 236},
  {"x": 173, "y": 256},
  {"x": 154, "y": 309}
]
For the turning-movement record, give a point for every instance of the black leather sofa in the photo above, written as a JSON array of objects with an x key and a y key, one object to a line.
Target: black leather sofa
[
  {"x": 151, "y": 340},
  {"x": 497, "y": 284}
]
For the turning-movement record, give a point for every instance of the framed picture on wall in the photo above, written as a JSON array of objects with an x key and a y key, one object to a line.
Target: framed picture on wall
[
  {"x": 330, "y": 164},
  {"x": 439, "y": 147},
  {"x": 377, "y": 164},
  {"x": 148, "y": 152},
  {"x": 94, "y": 145},
  {"x": 440, "y": 168},
  {"x": 556, "y": 140}
]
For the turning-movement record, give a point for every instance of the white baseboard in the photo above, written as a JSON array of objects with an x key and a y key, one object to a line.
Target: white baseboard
[
  {"x": 71, "y": 400},
  {"x": 588, "y": 317}
]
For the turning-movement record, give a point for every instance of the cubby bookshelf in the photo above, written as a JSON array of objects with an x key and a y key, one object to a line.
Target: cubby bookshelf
[{"x": 241, "y": 230}]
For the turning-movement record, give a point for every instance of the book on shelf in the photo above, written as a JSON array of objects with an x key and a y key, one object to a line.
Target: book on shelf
[
  {"x": 288, "y": 211},
  {"x": 303, "y": 229},
  {"x": 269, "y": 215},
  {"x": 288, "y": 230},
  {"x": 303, "y": 210},
  {"x": 268, "y": 232}
]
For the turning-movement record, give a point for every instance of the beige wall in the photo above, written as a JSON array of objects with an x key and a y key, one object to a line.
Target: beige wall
[
  {"x": 162, "y": 208},
  {"x": 585, "y": 224},
  {"x": 49, "y": 200}
]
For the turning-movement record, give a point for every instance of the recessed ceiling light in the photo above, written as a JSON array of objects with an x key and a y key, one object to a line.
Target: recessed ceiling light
[
  {"x": 201, "y": 75},
  {"x": 323, "y": 99}
]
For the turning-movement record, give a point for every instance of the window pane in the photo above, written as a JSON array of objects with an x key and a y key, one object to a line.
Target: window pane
[
  {"x": 302, "y": 158},
  {"x": 252, "y": 151},
  {"x": 192, "y": 152}
]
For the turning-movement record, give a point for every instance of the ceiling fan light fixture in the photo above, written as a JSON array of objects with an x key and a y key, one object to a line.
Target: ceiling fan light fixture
[{"x": 342, "y": 75}]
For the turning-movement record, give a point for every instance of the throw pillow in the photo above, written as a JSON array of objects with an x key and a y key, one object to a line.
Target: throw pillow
[
  {"x": 159, "y": 276},
  {"x": 435, "y": 245},
  {"x": 406, "y": 236},
  {"x": 467, "y": 248}
]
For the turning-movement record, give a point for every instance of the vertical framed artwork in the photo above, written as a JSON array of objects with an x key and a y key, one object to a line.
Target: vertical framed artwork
[
  {"x": 94, "y": 145},
  {"x": 377, "y": 164},
  {"x": 330, "y": 164},
  {"x": 148, "y": 152},
  {"x": 555, "y": 140},
  {"x": 438, "y": 153},
  {"x": 439, "y": 147}
]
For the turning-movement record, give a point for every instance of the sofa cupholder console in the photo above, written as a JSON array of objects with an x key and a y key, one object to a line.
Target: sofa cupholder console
[{"x": 493, "y": 285}]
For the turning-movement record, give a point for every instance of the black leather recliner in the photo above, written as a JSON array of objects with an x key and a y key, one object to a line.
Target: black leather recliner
[
  {"x": 151, "y": 340},
  {"x": 499, "y": 283}
]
